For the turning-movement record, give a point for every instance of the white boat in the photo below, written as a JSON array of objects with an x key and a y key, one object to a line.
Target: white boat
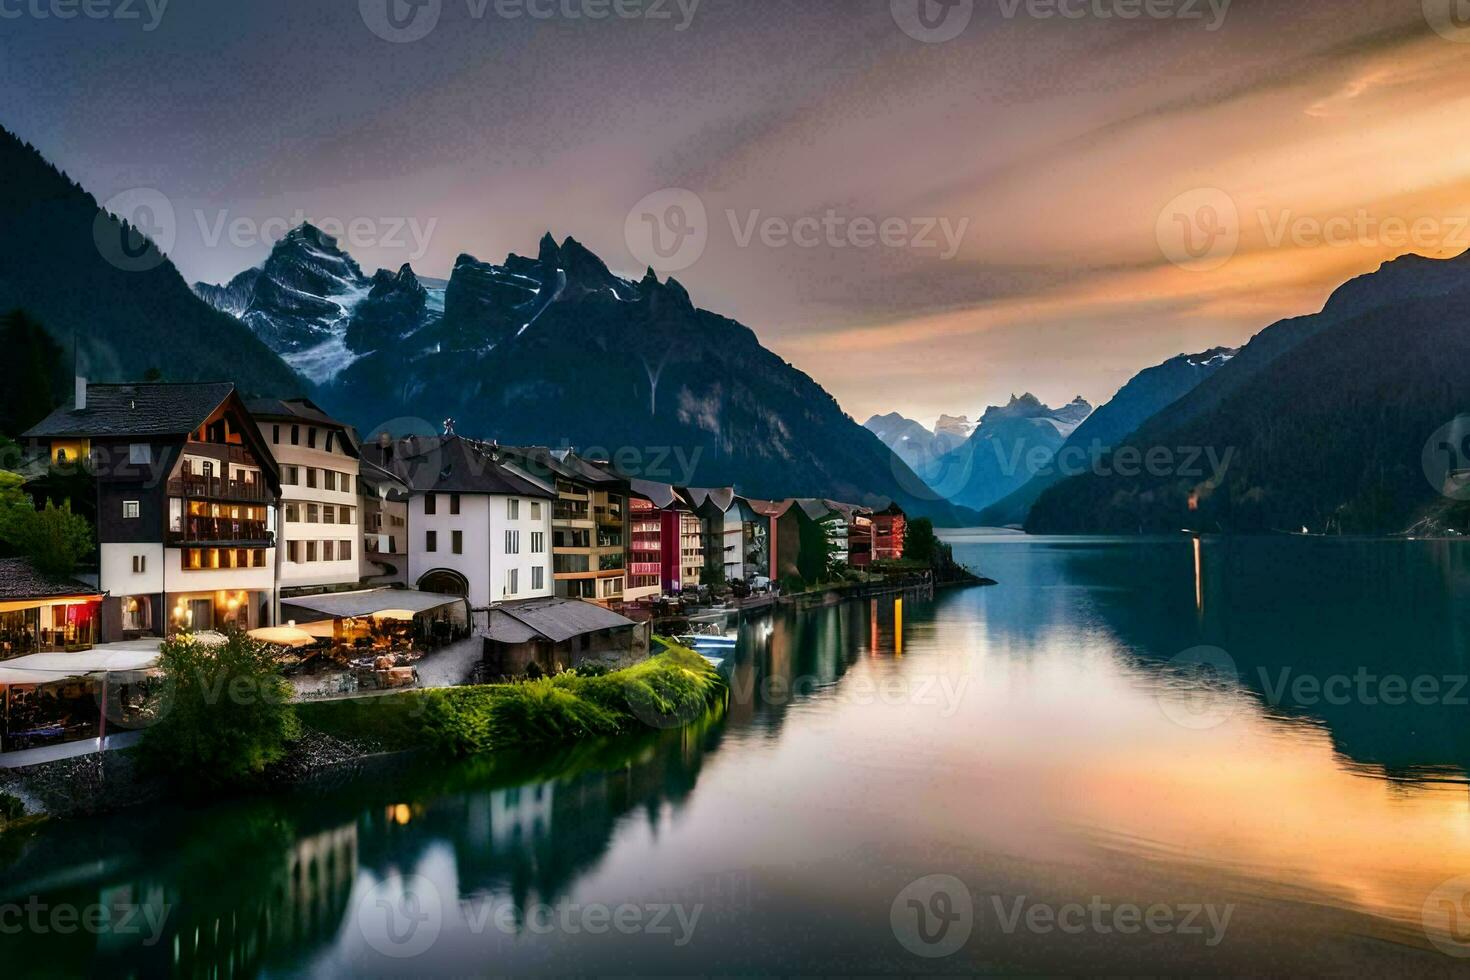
[{"x": 704, "y": 643}]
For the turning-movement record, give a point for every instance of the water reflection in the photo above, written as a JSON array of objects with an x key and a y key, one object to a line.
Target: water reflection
[{"x": 1016, "y": 737}]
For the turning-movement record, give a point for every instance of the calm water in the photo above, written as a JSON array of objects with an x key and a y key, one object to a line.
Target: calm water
[{"x": 1034, "y": 777}]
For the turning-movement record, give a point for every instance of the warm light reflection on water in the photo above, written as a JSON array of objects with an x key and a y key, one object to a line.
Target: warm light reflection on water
[{"x": 1025, "y": 739}]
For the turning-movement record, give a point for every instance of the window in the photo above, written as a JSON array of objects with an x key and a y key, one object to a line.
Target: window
[
  {"x": 293, "y": 552},
  {"x": 344, "y": 550},
  {"x": 513, "y": 509},
  {"x": 345, "y": 484},
  {"x": 456, "y": 542},
  {"x": 310, "y": 438},
  {"x": 431, "y": 540},
  {"x": 454, "y": 503},
  {"x": 312, "y": 515},
  {"x": 431, "y": 503},
  {"x": 276, "y": 434},
  {"x": 291, "y": 477},
  {"x": 293, "y": 513},
  {"x": 130, "y": 509},
  {"x": 344, "y": 515},
  {"x": 140, "y": 454},
  {"x": 535, "y": 510},
  {"x": 512, "y": 580},
  {"x": 257, "y": 558},
  {"x": 311, "y": 477},
  {"x": 512, "y": 542},
  {"x": 311, "y": 551},
  {"x": 538, "y": 578},
  {"x": 329, "y": 479},
  {"x": 538, "y": 542},
  {"x": 140, "y": 564},
  {"x": 295, "y": 435},
  {"x": 328, "y": 444},
  {"x": 328, "y": 551},
  {"x": 329, "y": 515}
]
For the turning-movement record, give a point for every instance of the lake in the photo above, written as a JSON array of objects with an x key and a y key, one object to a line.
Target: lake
[{"x": 1226, "y": 755}]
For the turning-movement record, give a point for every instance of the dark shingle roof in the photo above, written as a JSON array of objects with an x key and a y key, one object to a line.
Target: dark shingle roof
[
  {"x": 452, "y": 464},
  {"x": 19, "y": 579},
  {"x": 556, "y": 619},
  {"x": 299, "y": 410},
  {"x": 136, "y": 410}
]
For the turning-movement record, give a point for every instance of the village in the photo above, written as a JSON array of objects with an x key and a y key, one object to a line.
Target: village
[{"x": 395, "y": 562}]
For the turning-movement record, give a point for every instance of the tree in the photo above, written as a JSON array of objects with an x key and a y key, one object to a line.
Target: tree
[
  {"x": 54, "y": 539},
  {"x": 224, "y": 711},
  {"x": 920, "y": 543}
]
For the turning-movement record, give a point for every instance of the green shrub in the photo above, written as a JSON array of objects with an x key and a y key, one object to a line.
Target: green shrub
[
  {"x": 11, "y": 808},
  {"x": 224, "y": 711}
]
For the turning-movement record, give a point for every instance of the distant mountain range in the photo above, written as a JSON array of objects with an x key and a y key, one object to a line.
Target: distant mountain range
[
  {"x": 559, "y": 350},
  {"x": 1326, "y": 420},
  {"x": 89, "y": 278},
  {"x": 1141, "y": 398},
  {"x": 972, "y": 466}
]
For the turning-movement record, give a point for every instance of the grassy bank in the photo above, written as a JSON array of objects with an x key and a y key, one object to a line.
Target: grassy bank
[{"x": 669, "y": 689}]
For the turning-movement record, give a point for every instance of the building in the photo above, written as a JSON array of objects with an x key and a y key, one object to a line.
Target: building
[
  {"x": 680, "y": 538},
  {"x": 833, "y": 519},
  {"x": 187, "y": 495},
  {"x": 42, "y": 613},
  {"x": 589, "y": 523},
  {"x": 478, "y": 525},
  {"x": 645, "y": 546},
  {"x": 889, "y": 527},
  {"x": 709, "y": 504},
  {"x": 320, "y": 530},
  {"x": 555, "y": 634},
  {"x": 383, "y": 499}
]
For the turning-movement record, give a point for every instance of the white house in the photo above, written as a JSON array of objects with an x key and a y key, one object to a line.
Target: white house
[
  {"x": 320, "y": 516},
  {"x": 478, "y": 526}
]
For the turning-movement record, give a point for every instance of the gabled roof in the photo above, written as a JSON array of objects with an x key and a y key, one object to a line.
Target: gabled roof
[
  {"x": 661, "y": 495},
  {"x": 770, "y": 508},
  {"x": 136, "y": 410},
  {"x": 554, "y": 619},
  {"x": 20, "y": 580},
  {"x": 545, "y": 463},
  {"x": 452, "y": 464},
  {"x": 719, "y": 498},
  {"x": 300, "y": 410}
]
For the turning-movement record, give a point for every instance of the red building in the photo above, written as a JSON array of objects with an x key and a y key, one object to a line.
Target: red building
[{"x": 889, "y": 526}]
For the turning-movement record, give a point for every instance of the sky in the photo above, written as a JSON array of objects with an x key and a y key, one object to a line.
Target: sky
[{"x": 926, "y": 205}]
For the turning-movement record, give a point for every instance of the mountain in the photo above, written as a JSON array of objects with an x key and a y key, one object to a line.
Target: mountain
[
  {"x": 1149, "y": 392},
  {"x": 913, "y": 443},
  {"x": 951, "y": 430},
  {"x": 1009, "y": 445},
  {"x": 549, "y": 349},
  {"x": 1328, "y": 425},
  {"x": 83, "y": 274}
]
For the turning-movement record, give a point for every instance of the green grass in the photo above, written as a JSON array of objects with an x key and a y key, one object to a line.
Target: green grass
[{"x": 670, "y": 689}]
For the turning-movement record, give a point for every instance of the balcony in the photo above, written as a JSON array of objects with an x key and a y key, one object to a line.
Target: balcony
[
  {"x": 217, "y": 488},
  {"x": 646, "y": 568},
  {"x": 222, "y": 530}
]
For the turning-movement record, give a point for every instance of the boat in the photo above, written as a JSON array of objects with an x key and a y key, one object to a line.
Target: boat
[{"x": 709, "y": 646}]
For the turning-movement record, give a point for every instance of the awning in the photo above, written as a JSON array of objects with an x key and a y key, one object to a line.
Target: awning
[
  {"x": 47, "y": 668},
  {"x": 369, "y": 602},
  {"x": 553, "y": 619}
]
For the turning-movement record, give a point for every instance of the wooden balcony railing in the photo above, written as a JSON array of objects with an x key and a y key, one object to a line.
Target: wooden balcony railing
[
  {"x": 218, "y": 530},
  {"x": 217, "y": 488}
]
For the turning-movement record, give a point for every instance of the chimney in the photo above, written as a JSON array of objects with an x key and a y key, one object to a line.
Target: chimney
[{"x": 81, "y": 398}]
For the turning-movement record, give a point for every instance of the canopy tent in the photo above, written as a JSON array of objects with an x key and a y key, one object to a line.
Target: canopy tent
[
  {"x": 46, "y": 668},
  {"x": 283, "y": 636},
  {"x": 378, "y": 603}
]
